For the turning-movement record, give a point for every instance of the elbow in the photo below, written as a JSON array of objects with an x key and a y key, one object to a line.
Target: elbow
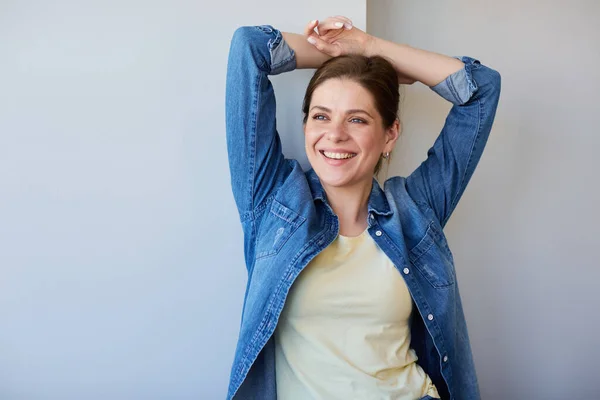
[
  {"x": 495, "y": 81},
  {"x": 249, "y": 46},
  {"x": 242, "y": 39},
  {"x": 495, "y": 85},
  {"x": 489, "y": 82},
  {"x": 490, "y": 97}
]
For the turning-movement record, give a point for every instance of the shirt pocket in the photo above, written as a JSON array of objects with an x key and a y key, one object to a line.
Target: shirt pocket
[
  {"x": 277, "y": 227},
  {"x": 433, "y": 259}
]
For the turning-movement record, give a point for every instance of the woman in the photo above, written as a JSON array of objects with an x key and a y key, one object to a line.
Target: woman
[{"x": 351, "y": 288}]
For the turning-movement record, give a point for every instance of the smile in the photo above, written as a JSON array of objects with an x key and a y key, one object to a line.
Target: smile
[{"x": 337, "y": 156}]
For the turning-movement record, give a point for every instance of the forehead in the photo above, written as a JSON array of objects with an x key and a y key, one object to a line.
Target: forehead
[{"x": 340, "y": 94}]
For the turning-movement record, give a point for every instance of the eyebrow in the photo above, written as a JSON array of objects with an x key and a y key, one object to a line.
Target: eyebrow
[{"x": 352, "y": 111}]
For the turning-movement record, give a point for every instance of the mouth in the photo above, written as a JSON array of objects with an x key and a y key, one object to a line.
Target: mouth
[{"x": 337, "y": 158}]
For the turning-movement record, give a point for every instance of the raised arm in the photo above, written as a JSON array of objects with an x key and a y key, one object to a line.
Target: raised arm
[
  {"x": 474, "y": 91},
  {"x": 256, "y": 162},
  {"x": 441, "y": 179},
  {"x": 257, "y": 165},
  {"x": 473, "y": 88},
  {"x": 418, "y": 65}
]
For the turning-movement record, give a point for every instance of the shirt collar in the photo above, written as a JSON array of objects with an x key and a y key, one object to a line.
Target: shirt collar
[{"x": 378, "y": 203}]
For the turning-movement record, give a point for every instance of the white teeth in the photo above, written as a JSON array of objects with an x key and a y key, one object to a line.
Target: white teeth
[{"x": 338, "y": 156}]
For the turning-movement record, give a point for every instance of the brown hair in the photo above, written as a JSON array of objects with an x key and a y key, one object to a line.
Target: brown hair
[{"x": 375, "y": 74}]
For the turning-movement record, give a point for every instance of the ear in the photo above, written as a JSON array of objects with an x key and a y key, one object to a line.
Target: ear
[{"x": 391, "y": 136}]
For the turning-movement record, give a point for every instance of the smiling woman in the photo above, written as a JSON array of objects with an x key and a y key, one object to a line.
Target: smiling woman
[
  {"x": 351, "y": 292},
  {"x": 351, "y": 102}
]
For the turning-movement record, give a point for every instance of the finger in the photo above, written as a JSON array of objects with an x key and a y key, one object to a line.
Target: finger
[
  {"x": 347, "y": 21},
  {"x": 330, "y": 24},
  {"x": 310, "y": 27},
  {"x": 323, "y": 46}
]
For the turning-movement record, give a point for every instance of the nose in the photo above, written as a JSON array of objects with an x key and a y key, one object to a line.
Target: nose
[{"x": 337, "y": 132}]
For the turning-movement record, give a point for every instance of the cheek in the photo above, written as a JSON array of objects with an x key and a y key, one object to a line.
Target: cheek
[
  {"x": 310, "y": 136},
  {"x": 370, "y": 140}
]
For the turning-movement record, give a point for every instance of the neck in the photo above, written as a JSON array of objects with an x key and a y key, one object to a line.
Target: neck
[{"x": 350, "y": 204}]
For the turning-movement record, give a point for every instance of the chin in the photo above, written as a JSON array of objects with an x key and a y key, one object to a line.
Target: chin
[
  {"x": 336, "y": 179},
  {"x": 336, "y": 176},
  {"x": 334, "y": 182}
]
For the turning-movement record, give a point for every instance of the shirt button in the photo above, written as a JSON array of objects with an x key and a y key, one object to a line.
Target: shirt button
[
  {"x": 378, "y": 233},
  {"x": 430, "y": 317},
  {"x": 445, "y": 358},
  {"x": 406, "y": 271}
]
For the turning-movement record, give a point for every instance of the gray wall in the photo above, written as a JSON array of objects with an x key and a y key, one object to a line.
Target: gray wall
[
  {"x": 121, "y": 267},
  {"x": 526, "y": 234}
]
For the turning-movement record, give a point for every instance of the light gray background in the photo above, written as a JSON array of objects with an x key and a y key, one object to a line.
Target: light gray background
[
  {"x": 526, "y": 234},
  {"x": 121, "y": 268},
  {"x": 121, "y": 265}
]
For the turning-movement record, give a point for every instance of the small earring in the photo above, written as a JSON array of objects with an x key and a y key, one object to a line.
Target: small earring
[{"x": 386, "y": 155}]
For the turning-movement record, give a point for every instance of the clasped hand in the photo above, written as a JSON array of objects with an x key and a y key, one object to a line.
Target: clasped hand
[{"x": 336, "y": 36}]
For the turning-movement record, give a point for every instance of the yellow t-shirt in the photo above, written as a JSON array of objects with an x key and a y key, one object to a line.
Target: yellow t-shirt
[{"x": 344, "y": 332}]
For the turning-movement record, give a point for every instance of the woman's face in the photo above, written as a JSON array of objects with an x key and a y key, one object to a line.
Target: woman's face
[{"x": 344, "y": 133}]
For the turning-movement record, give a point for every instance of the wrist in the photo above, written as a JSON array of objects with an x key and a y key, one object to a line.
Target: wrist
[{"x": 371, "y": 45}]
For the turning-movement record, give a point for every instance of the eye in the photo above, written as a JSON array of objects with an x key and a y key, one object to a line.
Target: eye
[
  {"x": 319, "y": 117},
  {"x": 358, "y": 120}
]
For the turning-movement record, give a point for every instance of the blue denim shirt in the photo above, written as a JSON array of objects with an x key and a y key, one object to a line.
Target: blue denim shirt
[{"x": 287, "y": 220}]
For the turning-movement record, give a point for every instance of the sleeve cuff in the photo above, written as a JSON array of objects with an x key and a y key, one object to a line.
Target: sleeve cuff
[
  {"x": 459, "y": 87},
  {"x": 283, "y": 58}
]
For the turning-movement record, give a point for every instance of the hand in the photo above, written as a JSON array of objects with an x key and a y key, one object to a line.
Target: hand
[{"x": 336, "y": 36}]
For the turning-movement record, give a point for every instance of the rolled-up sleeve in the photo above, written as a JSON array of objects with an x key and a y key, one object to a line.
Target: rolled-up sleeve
[
  {"x": 460, "y": 86},
  {"x": 441, "y": 179}
]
